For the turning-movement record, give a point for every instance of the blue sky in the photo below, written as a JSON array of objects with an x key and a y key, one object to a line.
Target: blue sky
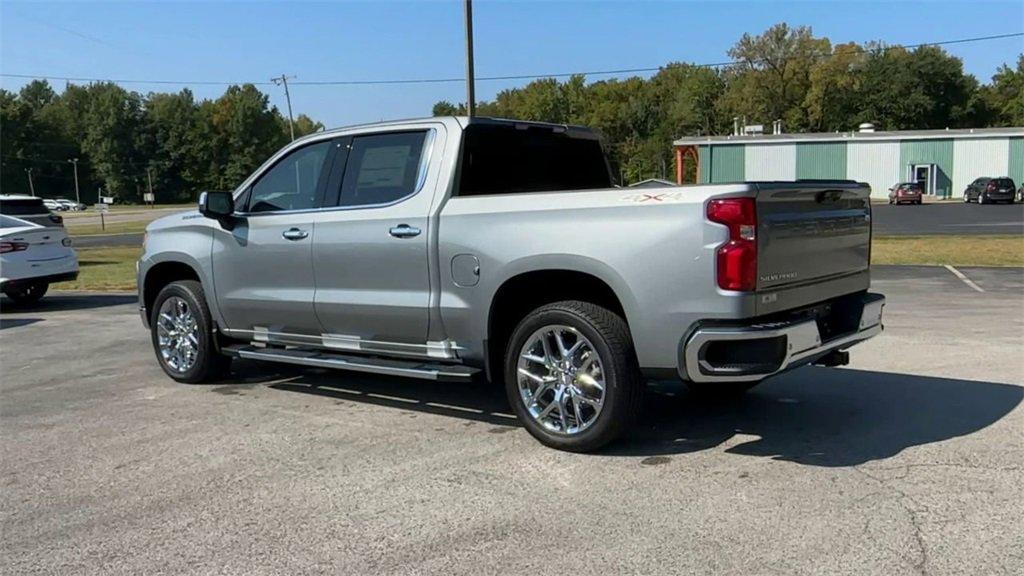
[{"x": 245, "y": 41}]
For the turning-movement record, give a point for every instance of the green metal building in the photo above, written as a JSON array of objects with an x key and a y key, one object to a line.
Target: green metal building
[{"x": 943, "y": 161}]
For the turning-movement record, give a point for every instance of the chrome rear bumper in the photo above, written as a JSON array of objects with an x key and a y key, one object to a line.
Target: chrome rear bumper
[{"x": 783, "y": 346}]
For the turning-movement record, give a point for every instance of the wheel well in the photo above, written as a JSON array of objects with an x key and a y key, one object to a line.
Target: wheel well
[
  {"x": 529, "y": 291},
  {"x": 161, "y": 275}
]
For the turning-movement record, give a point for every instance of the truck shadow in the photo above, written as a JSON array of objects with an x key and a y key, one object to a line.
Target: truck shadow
[
  {"x": 813, "y": 416},
  {"x": 821, "y": 417}
]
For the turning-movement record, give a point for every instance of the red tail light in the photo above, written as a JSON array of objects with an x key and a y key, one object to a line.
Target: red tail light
[
  {"x": 6, "y": 247},
  {"x": 737, "y": 258}
]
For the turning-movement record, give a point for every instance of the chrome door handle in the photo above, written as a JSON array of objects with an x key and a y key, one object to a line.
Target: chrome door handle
[
  {"x": 294, "y": 234},
  {"x": 404, "y": 231}
]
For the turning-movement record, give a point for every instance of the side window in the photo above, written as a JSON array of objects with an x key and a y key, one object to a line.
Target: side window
[
  {"x": 382, "y": 168},
  {"x": 292, "y": 183}
]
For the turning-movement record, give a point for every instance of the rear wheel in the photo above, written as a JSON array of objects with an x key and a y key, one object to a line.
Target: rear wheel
[
  {"x": 982, "y": 199},
  {"x": 30, "y": 293},
  {"x": 183, "y": 335},
  {"x": 572, "y": 377}
]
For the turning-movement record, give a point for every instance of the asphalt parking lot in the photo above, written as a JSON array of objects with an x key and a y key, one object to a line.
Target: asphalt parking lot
[
  {"x": 909, "y": 461},
  {"x": 948, "y": 218}
]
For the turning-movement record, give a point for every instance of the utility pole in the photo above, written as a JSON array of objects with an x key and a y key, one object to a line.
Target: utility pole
[
  {"x": 470, "y": 77},
  {"x": 74, "y": 161},
  {"x": 283, "y": 80},
  {"x": 149, "y": 174},
  {"x": 30, "y": 185}
]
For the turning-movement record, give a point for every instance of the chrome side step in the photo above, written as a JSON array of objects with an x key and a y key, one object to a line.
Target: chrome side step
[{"x": 389, "y": 367}]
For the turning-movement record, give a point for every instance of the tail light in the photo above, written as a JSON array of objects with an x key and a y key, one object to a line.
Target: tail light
[
  {"x": 56, "y": 219},
  {"x": 6, "y": 247},
  {"x": 737, "y": 258}
]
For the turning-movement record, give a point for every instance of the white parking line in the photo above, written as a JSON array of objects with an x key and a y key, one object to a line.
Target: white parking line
[{"x": 961, "y": 276}]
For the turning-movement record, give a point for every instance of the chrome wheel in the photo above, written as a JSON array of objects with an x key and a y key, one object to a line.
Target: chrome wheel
[
  {"x": 177, "y": 334},
  {"x": 561, "y": 379}
]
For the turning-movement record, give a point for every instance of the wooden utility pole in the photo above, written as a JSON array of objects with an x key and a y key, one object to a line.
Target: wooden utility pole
[
  {"x": 283, "y": 80},
  {"x": 31, "y": 186}
]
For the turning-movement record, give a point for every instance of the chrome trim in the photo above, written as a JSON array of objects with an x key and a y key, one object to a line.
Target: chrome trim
[
  {"x": 803, "y": 342},
  {"x": 436, "y": 349}
]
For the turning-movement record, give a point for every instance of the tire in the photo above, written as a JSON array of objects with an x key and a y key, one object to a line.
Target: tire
[
  {"x": 967, "y": 199},
  {"x": 606, "y": 354},
  {"x": 982, "y": 199},
  {"x": 26, "y": 294},
  {"x": 207, "y": 364}
]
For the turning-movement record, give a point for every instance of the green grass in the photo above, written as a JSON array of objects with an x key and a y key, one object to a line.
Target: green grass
[
  {"x": 104, "y": 269},
  {"x": 120, "y": 208},
  {"x": 988, "y": 250},
  {"x": 138, "y": 226}
]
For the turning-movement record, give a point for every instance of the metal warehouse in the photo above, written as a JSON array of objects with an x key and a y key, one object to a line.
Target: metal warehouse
[{"x": 943, "y": 161}]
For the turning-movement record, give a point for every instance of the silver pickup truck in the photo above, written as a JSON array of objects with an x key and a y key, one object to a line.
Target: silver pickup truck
[{"x": 452, "y": 248}]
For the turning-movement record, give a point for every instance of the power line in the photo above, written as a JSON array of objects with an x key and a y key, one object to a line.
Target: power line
[{"x": 480, "y": 78}]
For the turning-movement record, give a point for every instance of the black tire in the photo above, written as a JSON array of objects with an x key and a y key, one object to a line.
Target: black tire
[
  {"x": 209, "y": 365},
  {"x": 624, "y": 385},
  {"x": 982, "y": 199},
  {"x": 26, "y": 294}
]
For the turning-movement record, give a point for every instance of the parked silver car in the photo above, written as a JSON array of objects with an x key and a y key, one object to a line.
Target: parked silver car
[{"x": 445, "y": 248}]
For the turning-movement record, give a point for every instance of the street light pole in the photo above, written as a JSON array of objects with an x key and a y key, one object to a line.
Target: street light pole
[
  {"x": 74, "y": 161},
  {"x": 30, "y": 185},
  {"x": 287, "y": 96},
  {"x": 470, "y": 77}
]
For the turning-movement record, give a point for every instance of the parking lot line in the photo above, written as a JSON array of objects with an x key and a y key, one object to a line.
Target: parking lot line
[{"x": 963, "y": 277}]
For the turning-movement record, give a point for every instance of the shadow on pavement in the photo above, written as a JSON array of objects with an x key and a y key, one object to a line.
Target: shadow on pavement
[
  {"x": 64, "y": 302},
  {"x": 813, "y": 416},
  {"x": 824, "y": 417},
  {"x": 17, "y": 322}
]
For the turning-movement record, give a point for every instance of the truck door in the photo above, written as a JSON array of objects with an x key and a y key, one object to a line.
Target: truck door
[
  {"x": 263, "y": 266},
  {"x": 370, "y": 257}
]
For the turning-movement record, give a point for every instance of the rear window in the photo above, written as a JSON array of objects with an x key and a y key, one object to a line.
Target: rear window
[
  {"x": 1002, "y": 182},
  {"x": 511, "y": 159},
  {"x": 910, "y": 186},
  {"x": 22, "y": 207},
  {"x": 9, "y": 222}
]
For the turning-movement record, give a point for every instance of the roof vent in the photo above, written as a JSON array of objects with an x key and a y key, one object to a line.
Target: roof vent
[{"x": 866, "y": 127}]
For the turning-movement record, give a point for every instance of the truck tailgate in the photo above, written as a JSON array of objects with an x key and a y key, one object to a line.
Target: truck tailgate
[{"x": 812, "y": 234}]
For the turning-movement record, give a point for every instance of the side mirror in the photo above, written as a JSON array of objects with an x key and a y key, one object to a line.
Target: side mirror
[{"x": 216, "y": 205}]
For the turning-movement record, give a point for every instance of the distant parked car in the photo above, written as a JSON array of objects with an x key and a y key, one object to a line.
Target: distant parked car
[
  {"x": 29, "y": 208},
  {"x": 905, "y": 193},
  {"x": 985, "y": 190},
  {"x": 32, "y": 257},
  {"x": 70, "y": 204},
  {"x": 1020, "y": 192},
  {"x": 53, "y": 206}
]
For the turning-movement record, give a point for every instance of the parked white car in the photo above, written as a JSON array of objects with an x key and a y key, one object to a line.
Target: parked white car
[
  {"x": 70, "y": 204},
  {"x": 32, "y": 257},
  {"x": 53, "y": 205}
]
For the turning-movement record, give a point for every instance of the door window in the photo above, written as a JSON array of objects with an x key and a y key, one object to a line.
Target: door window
[
  {"x": 382, "y": 168},
  {"x": 292, "y": 183}
]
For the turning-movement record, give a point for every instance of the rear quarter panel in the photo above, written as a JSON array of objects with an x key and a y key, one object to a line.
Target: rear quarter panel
[{"x": 653, "y": 248}]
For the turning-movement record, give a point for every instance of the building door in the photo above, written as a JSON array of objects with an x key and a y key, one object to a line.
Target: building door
[{"x": 924, "y": 175}]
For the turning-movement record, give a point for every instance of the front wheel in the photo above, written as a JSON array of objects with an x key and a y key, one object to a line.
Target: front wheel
[
  {"x": 26, "y": 294},
  {"x": 182, "y": 333},
  {"x": 572, "y": 376}
]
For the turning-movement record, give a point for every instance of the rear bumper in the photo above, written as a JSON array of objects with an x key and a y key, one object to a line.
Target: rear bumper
[{"x": 750, "y": 353}]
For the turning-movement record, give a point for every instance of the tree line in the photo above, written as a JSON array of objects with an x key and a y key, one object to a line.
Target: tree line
[
  {"x": 123, "y": 139},
  {"x": 785, "y": 74}
]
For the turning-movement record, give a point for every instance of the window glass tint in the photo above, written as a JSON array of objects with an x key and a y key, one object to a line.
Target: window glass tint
[
  {"x": 1002, "y": 182},
  {"x": 292, "y": 183},
  {"x": 382, "y": 168},
  {"x": 22, "y": 207},
  {"x": 9, "y": 222},
  {"x": 505, "y": 159}
]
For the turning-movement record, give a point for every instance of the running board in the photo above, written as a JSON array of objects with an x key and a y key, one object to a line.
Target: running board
[{"x": 389, "y": 367}]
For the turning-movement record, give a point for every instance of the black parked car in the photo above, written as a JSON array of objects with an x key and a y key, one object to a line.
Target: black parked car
[{"x": 985, "y": 190}]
